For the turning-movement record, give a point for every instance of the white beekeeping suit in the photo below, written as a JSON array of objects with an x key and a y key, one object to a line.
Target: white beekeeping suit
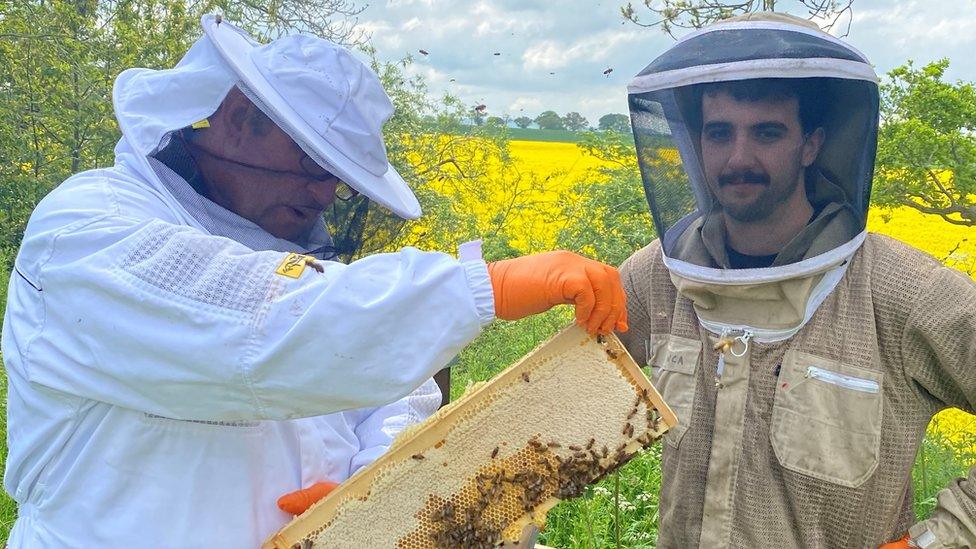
[{"x": 166, "y": 381}]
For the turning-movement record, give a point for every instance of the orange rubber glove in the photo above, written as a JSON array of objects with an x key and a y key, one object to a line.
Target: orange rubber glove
[
  {"x": 535, "y": 283},
  {"x": 299, "y": 501},
  {"x": 900, "y": 544}
]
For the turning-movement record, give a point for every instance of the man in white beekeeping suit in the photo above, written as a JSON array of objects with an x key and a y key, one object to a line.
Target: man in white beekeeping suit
[
  {"x": 803, "y": 356},
  {"x": 177, "y": 358}
]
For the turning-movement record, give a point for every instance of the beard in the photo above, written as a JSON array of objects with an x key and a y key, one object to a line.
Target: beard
[{"x": 765, "y": 203}]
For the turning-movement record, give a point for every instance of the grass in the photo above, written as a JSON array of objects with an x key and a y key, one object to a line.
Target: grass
[
  {"x": 8, "y": 508},
  {"x": 946, "y": 454}
]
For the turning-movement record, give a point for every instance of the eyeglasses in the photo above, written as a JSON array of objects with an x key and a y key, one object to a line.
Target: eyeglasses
[{"x": 310, "y": 170}]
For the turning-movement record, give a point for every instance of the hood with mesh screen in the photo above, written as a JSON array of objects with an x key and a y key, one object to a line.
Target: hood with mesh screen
[{"x": 837, "y": 90}]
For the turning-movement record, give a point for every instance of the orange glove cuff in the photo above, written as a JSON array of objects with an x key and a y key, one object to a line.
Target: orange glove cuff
[{"x": 900, "y": 544}]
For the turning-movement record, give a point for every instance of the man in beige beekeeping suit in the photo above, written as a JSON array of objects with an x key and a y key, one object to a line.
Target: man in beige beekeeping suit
[{"x": 803, "y": 357}]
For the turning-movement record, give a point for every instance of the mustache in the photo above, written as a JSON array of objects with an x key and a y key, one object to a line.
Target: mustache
[{"x": 743, "y": 177}]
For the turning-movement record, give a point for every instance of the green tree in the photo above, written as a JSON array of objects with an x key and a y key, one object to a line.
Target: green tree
[
  {"x": 477, "y": 115},
  {"x": 575, "y": 121},
  {"x": 463, "y": 176},
  {"x": 497, "y": 121},
  {"x": 523, "y": 122},
  {"x": 614, "y": 122},
  {"x": 927, "y": 144},
  {"x": 607, "y": 217},
  {"x": 672, "y": 15},
  {"x": 549, "y": 120},
  {"x": 59, "y": 58}
]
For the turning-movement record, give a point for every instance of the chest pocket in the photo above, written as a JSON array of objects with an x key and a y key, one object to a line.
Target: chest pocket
[
  {"x": 674, "y": 361},
  {"x": 826, "y": 420}
]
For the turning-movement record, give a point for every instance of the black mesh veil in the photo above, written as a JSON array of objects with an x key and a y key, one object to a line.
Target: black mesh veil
[{"x": 666, "y": 114}]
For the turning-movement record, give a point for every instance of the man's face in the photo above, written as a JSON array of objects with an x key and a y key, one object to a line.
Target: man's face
[
  {"x": 754, "y": 153},
  {"x": 261, "y": 176}
]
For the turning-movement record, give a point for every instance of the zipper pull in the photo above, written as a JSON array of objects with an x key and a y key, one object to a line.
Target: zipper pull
[
  {"x": 720, "y": 369},
  {"x": 723, "y": 346},
  {"x": 744, "y": 340}
]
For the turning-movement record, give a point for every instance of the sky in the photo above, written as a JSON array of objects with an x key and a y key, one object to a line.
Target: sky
[{"x": 521, "y": 57}]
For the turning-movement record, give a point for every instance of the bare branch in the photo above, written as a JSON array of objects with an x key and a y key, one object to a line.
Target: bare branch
[
  {"x": 968, "y": 214},
  {"x": 671, "y": 15},
  {"x": 451, "y": 161},
  {"x": 953, "y": 250}
]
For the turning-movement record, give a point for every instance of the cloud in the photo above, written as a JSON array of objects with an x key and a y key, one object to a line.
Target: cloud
[
  {"x": 405, "y": 3},
  {"x": 551, "y": 54},
  {"x": 522, "y": 105},
  {"x": 411, "y": 24},
  {"x": 382, "y": 34},
  {"x": 578, "y": 39},
  {"x": 916, "y": 23},
  {"x": 431, "y": 75}
]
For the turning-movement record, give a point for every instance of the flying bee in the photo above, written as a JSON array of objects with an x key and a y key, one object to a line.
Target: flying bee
[
  {"x": 525, "y": 377},
  {"x": 424, "y": 52},
  {"x": 418, "y": 457},
  {"x": 608, "y": 71},
  {"x": 494, "y": 452}
]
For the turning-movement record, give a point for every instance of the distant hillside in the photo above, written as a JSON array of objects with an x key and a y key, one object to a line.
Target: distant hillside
[
  {"x": 535, "y": 134},
  {"x": 551, "y": 136}
]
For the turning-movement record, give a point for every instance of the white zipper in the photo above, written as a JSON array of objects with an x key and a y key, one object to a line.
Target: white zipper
[
  {"x": 759, "y": 334},
  {"x": 842, "y": 380}
]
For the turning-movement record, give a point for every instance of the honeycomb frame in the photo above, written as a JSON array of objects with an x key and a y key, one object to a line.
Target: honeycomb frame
[{"x": 496, "y": 460}]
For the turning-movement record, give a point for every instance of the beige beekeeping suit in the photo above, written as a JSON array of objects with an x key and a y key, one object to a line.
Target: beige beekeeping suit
[
  {"x": 804, "y": 380},
  {"x": 810, "y": 441}
]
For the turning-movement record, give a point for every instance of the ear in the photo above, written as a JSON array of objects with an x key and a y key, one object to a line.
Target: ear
[
  {"x": 231, "y": 117},
  {"x": 811, "y": 146}
]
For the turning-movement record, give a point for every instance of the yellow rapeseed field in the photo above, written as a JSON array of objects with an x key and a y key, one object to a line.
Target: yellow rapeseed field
[
  {"x": 561, "y": 165},
  {"x": 956, "y": 246}
]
